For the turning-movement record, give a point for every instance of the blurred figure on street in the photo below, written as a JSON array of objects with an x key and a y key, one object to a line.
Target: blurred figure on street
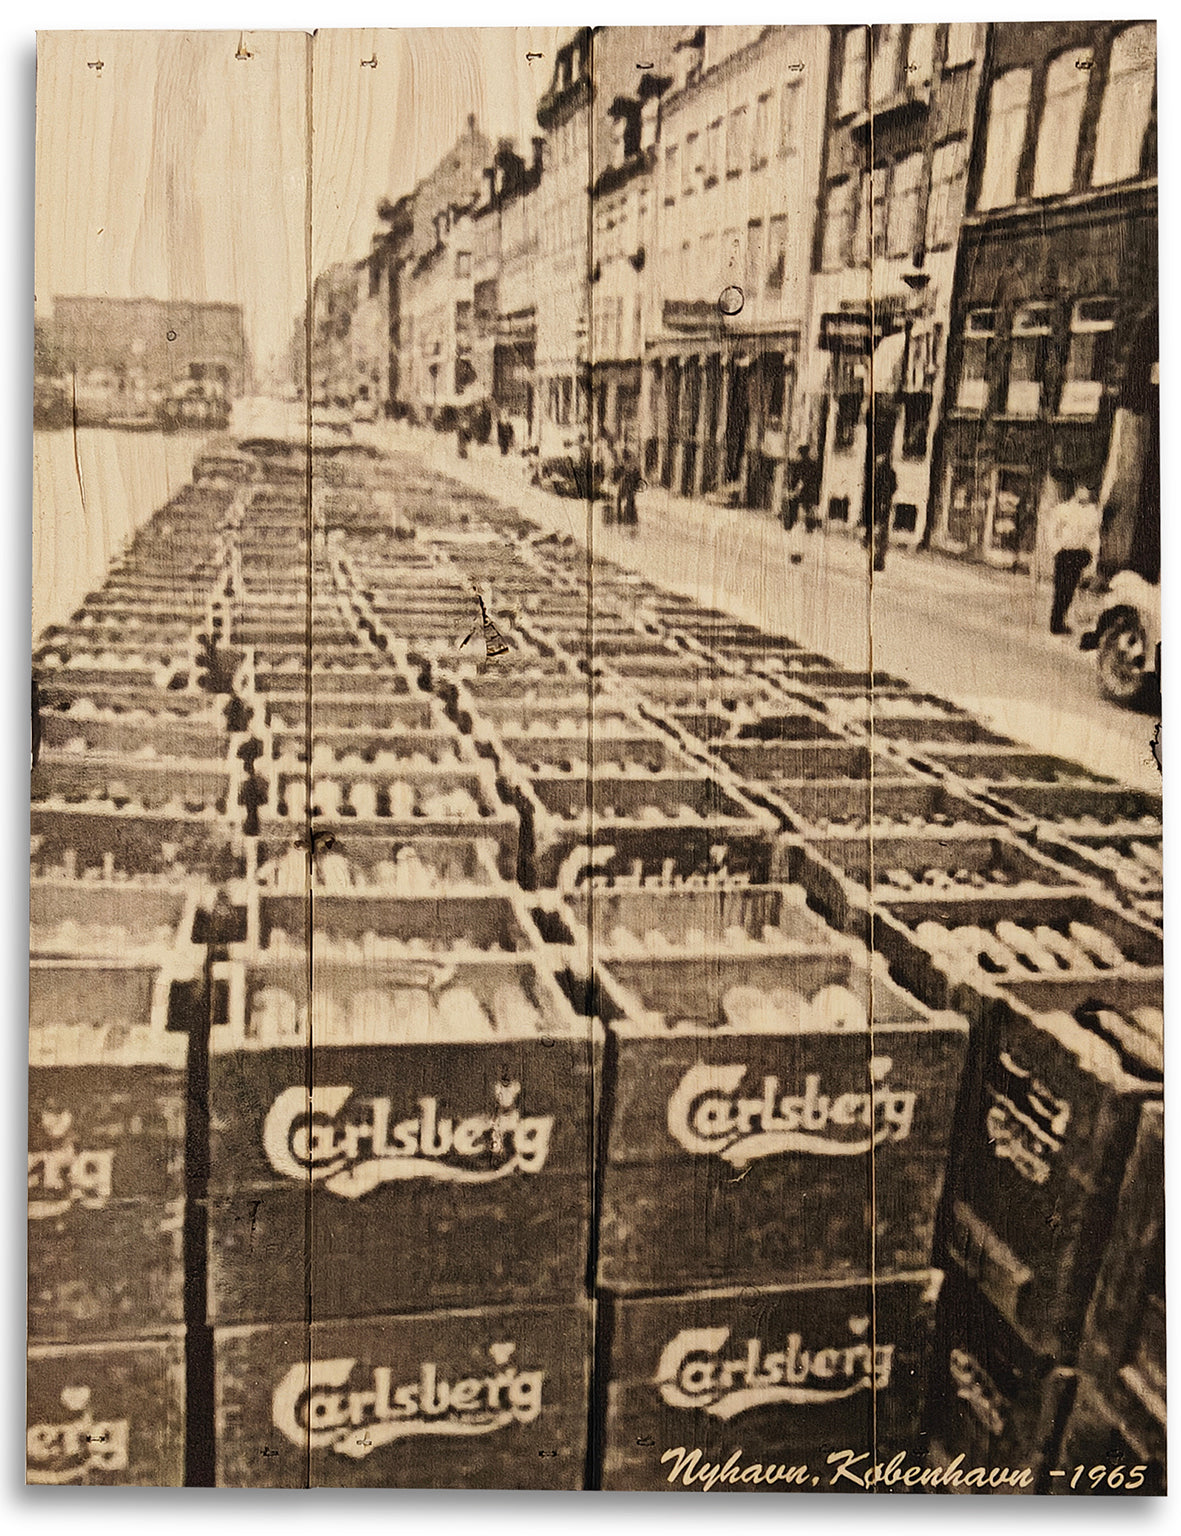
[
  {"x": 1073, "y": 540},
  {"x": 504, "y": 434},
  {"x": 803, "y": 490},
  {"x": 627, "y": 485},
  {"x": 883, "y": 484}
]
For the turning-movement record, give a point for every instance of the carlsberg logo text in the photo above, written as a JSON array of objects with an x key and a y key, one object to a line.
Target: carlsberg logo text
[
  {"x": 352, "y": 1144},
  {"x": 708, "y": 1114},
  {"x": 697, "y": 1370},
  {"x": 319, "y": 1406},
  {"x": 65, "y": 1174}
]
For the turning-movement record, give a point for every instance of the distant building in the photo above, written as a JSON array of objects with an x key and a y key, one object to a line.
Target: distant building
[
  {"x": 734, "y": 193},
  {"x": 152, "y": 343},
  {"x": 1055, "y": 301},
  {"x": 900, "y": 114}
]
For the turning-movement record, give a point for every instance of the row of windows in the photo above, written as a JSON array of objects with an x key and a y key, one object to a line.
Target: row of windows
[
  {"x": 1124, "y": 117},
  {"x": 1011, "y": 366},
  {"x": 901, "y": 58},
  {"x": 880, "y": 214},
  {"x": 754, "y": 257},
  {"x": 745, "y": 139}
]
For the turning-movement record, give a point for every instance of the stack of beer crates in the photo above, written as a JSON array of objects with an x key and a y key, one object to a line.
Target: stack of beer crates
[
  {"x": 129, "y": 789},
  {"x": 401, "y": 1097}
]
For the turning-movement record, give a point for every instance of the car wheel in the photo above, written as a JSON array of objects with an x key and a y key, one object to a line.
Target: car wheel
[{"x": 1123, "y": 661}]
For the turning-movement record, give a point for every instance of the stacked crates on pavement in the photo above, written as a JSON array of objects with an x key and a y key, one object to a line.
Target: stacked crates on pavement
[
  {"x": 553, "y": 1024},
  {"x": 131, "y": 779},
  {"x": 400, "y": 1093}
]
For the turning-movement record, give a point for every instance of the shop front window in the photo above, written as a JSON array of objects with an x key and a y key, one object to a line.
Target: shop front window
[
  {"x": 1092, "y": 324},
  {"x": 1014, "y": 527},
  {"x": 967, "y": 507},
  {"x": 916, "y": 422},
  {"x": 1027, "y": 359}
]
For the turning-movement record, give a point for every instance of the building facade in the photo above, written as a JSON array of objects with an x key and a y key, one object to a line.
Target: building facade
[
  {"x": 1056, "y": 285},
  {"x": 737, "y": 166},
  {"x": 152, "y": 344},
  {"x": 900, "y": 114}
]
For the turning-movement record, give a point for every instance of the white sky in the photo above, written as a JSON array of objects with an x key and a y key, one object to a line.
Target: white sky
[{"x": 180, "y": 170}]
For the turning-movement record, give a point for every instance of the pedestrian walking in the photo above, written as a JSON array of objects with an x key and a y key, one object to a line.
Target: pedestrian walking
[
  {"x": 1073, "y": 540},
  {"x": 883, "y": 484},
  {"x": 628, "y": 485},
  {"x": 803, "y": 493}
]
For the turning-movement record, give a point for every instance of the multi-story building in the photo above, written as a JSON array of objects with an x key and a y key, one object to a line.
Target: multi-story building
[
  {"x": 153, "y": 343},
  {"x": 562, "y": 351},
  {"x": 1055, "y": 301},
  {"x": 733, "y": 195},
  {"x": 506, "y": 296},
  {"x": 900, "y": 112},
  {"x": 433, "y": 295}
]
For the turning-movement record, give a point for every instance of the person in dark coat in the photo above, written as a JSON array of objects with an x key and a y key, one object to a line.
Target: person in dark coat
[
  {"x": 628, "y": 484},
  {"x": 883, "y": 484},
  {"x": 803, "y": 493}
]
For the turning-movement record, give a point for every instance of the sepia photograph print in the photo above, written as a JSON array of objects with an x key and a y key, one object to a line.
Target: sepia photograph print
[{"x": 596, "y": 820}]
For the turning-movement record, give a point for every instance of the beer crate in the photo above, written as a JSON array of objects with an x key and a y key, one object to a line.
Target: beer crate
[
  {"x": 996, "y": 768},
  {"x": 993, "y": 1401},
  {"x": 1132, "y": 868},
  {"x": 469, "y": 1140},
  {"x": 848, "y": 876},
  {"x": 106, "y": 1168},
  {"x": 107, "y": 1414},
  {"x": 1053, "y": 1097},
  {"x": 754, "y": 1128},
  {"x": 771, "y": 762},
  {"x": 947, "y": 949},
  {"x": 124, "y": 733},
  {"x": 1102, "y": 1453},
  {"x": 488, "y": 1398},
  {"x": 784, "y": 1377},
  {"x": 896, "y": 806},
  {"x": 678, "y": 815},
  {"x": 1123, "y": 1348},
  {"x": 1071, "y": 810}
]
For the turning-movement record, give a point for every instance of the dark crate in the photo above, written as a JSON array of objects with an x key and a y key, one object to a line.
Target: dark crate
[
  {"x": 993, "y": 1401},
  {"x": 106, "y": 1414},
  {"x": 399, "y": 1248},
  {"x": 375, "y": 1407},
  {"x": 808, "y": 1190},
  {"x": 1123, "y": 1348},
  {"x": 788, "y": 1376},
  {"x": 106, "y": 1273},
  {"x": 1049, "y": 1117}
]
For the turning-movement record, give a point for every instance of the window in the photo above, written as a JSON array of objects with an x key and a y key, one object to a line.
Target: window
[
  {"x": 713, "y": 152},
  {"x": 754, "y": 257},
  {"x": 1007, "y": 109},
  {"x": 670, "y": 175},
  {"x": 732, "y": 255},
  {"x": 776, "y": 253},
  {"x": 1127, "y": 106},
  {"x": 736, "y": 142},
  {"x": 838, "y": 224},
  {"x": 948, "y": 165},
  {"x": 1088, "y": 359},
  {"x": 761, "y": 144},
  {"x": 788, "y": 137},
  {"x": 961, "y": 44},
  {"x": 904, "y": 206},
  {"x": 463, "y": 263},
  {"x": 916, "y": 423},
  {"x": 690, "y": 166},
  {"x": 852, "y": 92},
  {"x": 920, "y": 57},
  {"x": 879, "y": 191},
  {"x": 848, "y": 415},
  {"x": 1027, "y": 359},
  {"x": 1062, "y": 116},
  {"x": 979, "y": 329},
  {"x": 887, "y": 58}
]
